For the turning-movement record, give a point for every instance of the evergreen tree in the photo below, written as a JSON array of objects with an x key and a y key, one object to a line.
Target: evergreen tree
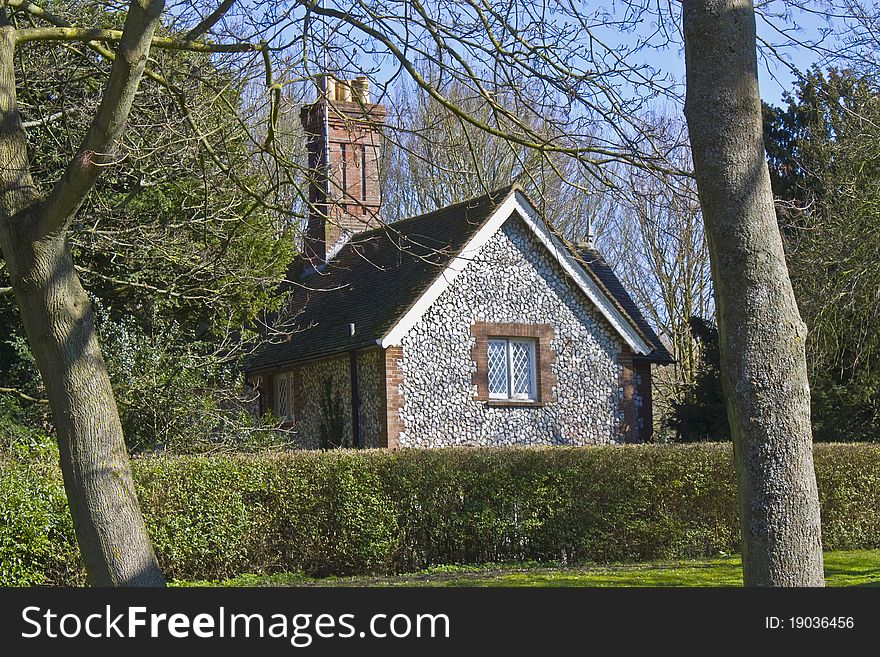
[
  {"x": 824, "y": 154},
  {"x": 701, "y": 414}
]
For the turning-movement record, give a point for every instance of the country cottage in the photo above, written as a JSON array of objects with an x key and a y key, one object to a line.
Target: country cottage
[{"x": 475, "y": 324}]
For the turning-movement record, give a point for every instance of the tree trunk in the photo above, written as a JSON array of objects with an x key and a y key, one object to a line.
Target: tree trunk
[
  {"x": 58, "y": 321},
  {"x": 762, "y": 337}
]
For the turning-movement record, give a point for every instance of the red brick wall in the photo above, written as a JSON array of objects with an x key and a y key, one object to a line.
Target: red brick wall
[
  {"x": 337, "y": 208},
  {"x": 646, "y": 412},
  {"x": 635, "y": 379},
  {"x": 629, "y": 424},
  {"x": 393, "y": 397}
]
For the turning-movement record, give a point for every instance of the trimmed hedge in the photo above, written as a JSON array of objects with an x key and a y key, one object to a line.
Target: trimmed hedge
[
  {"x": 37, "y": 544},
  {"x": 348, "y": 512}
]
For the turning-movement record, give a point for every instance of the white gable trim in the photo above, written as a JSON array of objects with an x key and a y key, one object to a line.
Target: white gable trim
[{"x": 517, "y": 201}]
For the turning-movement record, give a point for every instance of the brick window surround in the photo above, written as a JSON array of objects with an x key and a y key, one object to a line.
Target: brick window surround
[
  {"x": 542, "y": 334},
  {"x": 265, "y": 384}
]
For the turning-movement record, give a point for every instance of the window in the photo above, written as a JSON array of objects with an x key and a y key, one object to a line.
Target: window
[
  {"x": 516, "y": 369},
  {"x": 284, "y": 396},
  {"x": 344, "y": 171},
  {"x": 363, "y": 172},
  {"x": 511, "y": 369}
]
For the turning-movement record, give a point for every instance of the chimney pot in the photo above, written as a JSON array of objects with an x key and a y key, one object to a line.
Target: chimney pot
[
  {"x": 326, "y": 87},
  {"x": 360, "y": 88},
  {"x": 343, "y": 91}
]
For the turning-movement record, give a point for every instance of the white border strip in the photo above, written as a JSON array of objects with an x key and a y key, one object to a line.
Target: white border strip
[{"x": 517, "y": 201}]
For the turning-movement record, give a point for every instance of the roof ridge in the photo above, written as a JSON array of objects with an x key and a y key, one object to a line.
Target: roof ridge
[{"x": 494, "y": 196}]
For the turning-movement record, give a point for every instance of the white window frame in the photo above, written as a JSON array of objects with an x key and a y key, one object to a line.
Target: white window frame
[
  {"x": 279, "y": 379},
  {"x": 533, "y": 374}
]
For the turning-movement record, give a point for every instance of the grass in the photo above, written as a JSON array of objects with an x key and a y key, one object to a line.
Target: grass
[{"x": 853, "y": 568}]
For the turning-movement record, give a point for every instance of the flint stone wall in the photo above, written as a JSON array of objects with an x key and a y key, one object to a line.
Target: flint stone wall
[
  {"x": 325, "y": 396},
  {"x": 512, "y": 279}
]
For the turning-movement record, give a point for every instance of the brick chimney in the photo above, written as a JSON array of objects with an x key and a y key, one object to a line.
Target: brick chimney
[{"x": 344, "y": 142}]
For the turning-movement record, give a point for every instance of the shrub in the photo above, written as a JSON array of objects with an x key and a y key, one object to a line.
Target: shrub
[
  {"x": 349, "y": 512},
  {"x": 848, "y": 476},
  {"x": 324, "y": 513},
  {"x": 37, "y": 544}
]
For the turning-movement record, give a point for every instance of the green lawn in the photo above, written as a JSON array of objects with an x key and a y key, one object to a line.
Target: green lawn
[{"x": 856, "y": 568}]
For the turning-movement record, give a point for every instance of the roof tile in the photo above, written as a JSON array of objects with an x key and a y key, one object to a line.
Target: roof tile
[{"x": 379, "y": 274}]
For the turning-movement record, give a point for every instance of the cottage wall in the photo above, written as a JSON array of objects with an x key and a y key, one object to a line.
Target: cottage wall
[
  {"x": 371, "y": 388},
  {"x": 512, "y": 280},
  {"x": 322, "y": 399}
]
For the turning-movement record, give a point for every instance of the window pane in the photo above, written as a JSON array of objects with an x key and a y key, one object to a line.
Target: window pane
[
  {"x": 522, "y": 365},
  {"x": 498, "y": 368},
  {"x": 282, "y": 396}
]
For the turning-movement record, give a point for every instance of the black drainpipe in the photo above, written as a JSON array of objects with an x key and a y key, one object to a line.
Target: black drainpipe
[{"x": 355, "y": 401}]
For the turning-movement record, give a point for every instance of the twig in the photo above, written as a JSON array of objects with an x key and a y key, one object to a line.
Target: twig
[{"x": 22, "y": 395}]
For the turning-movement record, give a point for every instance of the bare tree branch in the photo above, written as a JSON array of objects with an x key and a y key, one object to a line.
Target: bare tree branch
[
  {"x": 93, "y": 34},
  {"x": 22, "y": 395},
  {"x": 35, "y": 10},
  {"x": 209, "y": 21},
  {"x": 99, "y": 149},
  {"x": 42, "y": 121},
  {"x": 530, "y": 140}
]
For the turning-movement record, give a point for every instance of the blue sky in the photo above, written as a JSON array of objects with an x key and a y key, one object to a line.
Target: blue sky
[
  {"x": 774, "y": 77},
  {"x": 782, "y": 27},
  {"x": 658, "y": 23}
]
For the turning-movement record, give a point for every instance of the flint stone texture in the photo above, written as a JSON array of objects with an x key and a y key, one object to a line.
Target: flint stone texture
[
  {"x": 325, "y": 396},
  {"x": 326, "y": 402},
  {"x": 371, "y": 386},
  {"x": 511, "y": 280}
]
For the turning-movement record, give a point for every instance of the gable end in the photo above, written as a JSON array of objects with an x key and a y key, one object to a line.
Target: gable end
[{"x": 517, "y": 202}]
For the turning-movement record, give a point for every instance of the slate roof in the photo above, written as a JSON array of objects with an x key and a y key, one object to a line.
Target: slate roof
[
  {"x": 380, "y": 274},
  {"x": 593, "y": 262},
  {"x": 373, "y": 280}
]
